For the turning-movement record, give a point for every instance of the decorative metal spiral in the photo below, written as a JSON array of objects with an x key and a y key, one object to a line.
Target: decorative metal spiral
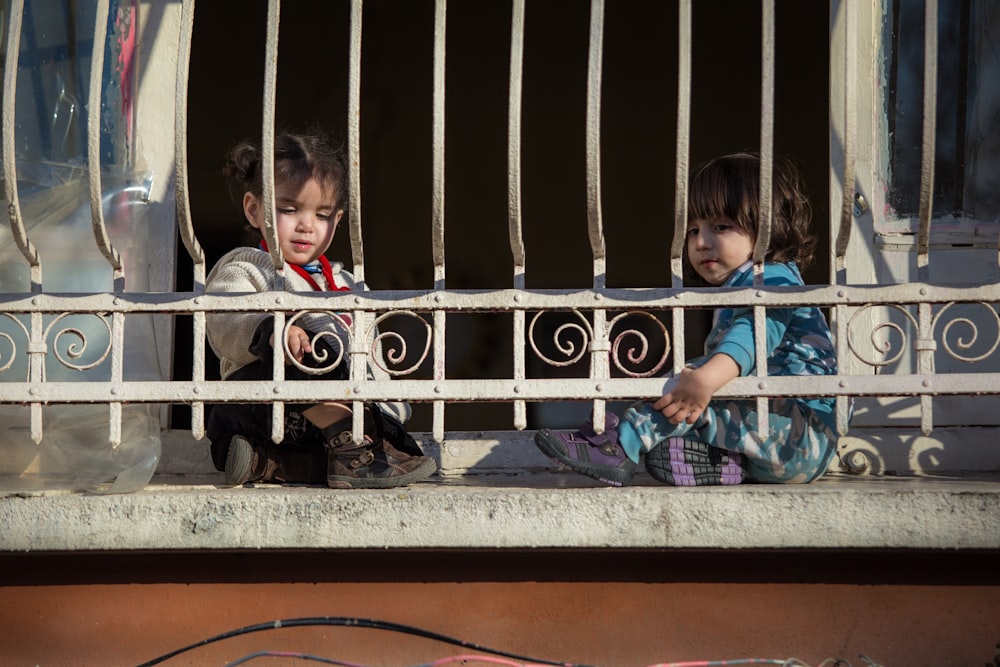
[
  {"x": 5, "y": 365},
  {"x": 973, "y": 330},
  {"x": 637, "y": 357},
  {"x": 320, "y": 355},
  {"x": 951, "y": 340},
  {"x": 858, "y": 457},
  {"x": 858, "y": 462},
  {"x": 883, "y": 347},
  {"x": 562, "y": 340},
  {"x": 76, "y": 350},
  {"x": 572, "y": 340},
  {"x": 391, "y": 345}
]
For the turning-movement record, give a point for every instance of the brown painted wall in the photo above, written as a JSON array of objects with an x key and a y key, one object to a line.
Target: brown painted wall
[{"x": 933, "y": 609}]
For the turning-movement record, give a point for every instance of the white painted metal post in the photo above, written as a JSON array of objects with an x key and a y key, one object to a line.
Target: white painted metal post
[
  {"x": 514, "y": 194},
  {"x": 600, "y": 345}
]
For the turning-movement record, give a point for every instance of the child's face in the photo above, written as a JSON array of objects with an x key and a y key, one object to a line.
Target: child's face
[
  {"x": 717, "y": 247},
  {"x": 306, "y": 219}
]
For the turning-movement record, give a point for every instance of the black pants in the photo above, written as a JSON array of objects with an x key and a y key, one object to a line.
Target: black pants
[
  {"x": 253, "y": 420},
  {"x": 301, "y": 437}
]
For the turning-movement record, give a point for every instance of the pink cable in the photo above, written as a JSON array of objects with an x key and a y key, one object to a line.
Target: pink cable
[{"x": 481, "y": 658}]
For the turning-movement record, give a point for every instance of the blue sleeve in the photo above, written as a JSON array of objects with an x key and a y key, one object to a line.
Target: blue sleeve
[{"x": 738, "y": 342}]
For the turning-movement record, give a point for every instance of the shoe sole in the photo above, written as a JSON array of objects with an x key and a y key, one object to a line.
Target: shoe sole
[
  {"x": 423, "y": 471},
  {"x": 239, "y": 460},
  {"x": 552, "y": 446},
  {"x": 697, "y": 468}
]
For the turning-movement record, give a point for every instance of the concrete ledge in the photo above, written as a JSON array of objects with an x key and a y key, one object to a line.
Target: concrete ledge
[
  {"x": 530, "y": 511},
  {"x": 495, "y": 491}
]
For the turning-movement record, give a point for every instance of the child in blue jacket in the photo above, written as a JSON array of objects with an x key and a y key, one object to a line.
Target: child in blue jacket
[{"x": 688, "y": 437}]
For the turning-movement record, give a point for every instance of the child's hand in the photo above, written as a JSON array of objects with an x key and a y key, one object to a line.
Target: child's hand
[
  {"x": 694, "y": 387},
  {"x": 298, "y": 342}
]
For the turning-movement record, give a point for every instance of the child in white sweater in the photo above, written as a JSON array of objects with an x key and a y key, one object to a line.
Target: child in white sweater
[{"x": 310, "y": 191}]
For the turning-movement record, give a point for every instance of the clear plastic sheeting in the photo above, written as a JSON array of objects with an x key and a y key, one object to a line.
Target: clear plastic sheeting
[{"x": 75, "y": 451}]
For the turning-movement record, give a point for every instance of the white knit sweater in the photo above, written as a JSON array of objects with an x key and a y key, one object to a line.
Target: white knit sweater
[{"x": 251, "y": 270}]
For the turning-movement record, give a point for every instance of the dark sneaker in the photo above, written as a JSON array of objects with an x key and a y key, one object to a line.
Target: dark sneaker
[
  {"x": 374, "y": 463},
  {"x": 595, "y": 455},
  {"x": 246, "y": 462},
  {"x": 683, "y": 462},
  {"x": 241, "y": 459}
]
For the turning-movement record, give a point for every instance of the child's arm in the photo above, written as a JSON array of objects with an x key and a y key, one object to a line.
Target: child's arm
[{"x": 694, "y": 387}]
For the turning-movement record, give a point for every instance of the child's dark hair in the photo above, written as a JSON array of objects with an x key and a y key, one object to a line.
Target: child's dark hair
[
  {"x": 297, "y": 158},
  {"x": 730, "y": 186}
]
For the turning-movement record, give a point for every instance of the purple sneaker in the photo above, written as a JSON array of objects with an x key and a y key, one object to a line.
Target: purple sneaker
[
  {"x": 595, "y": 455},
  {"x": 683, "y": 462}
]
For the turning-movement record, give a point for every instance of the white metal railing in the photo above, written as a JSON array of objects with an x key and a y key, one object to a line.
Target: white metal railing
[{"x": 598, "y": 323}]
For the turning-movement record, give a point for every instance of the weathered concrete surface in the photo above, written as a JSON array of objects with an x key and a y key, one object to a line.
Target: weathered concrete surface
[
  {"x": 528, "y": 511},
  {"x": 498, "y": 491}
]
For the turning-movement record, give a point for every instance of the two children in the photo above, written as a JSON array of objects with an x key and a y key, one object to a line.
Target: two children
[
  {"x": 688, "y": 437},
  {"x": 318, "y": 448}
]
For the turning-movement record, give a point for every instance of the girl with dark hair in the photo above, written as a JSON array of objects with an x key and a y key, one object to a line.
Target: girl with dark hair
[
  {"x": 687, "y": 437},
  {"x": 310, "y": 192}
]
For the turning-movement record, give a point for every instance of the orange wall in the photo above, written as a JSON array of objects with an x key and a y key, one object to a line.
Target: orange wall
[{"x": 124, "y": 610}]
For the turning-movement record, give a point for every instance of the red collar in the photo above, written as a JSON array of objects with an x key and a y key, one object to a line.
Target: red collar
[{"x": 324, "y": 265}]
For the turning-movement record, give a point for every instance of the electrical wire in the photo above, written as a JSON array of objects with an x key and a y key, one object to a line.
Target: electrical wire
[
  {"x": 790, "y": 662},
  {"x": 474, "y": 658},
  {"x": 354, "y": 623},
  {"x": 497, "y": 657},
  {"x": 290, "y": 654},
  {"x": 464, "y": 659}
]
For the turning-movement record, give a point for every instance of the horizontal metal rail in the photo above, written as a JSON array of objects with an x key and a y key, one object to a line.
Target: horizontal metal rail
[
  {"x": 488, "y": 300},
  {"x": 485, "y": 390}
]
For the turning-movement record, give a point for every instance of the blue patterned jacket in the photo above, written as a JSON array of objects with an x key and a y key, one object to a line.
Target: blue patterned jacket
[{"x": 799, "y": 341}]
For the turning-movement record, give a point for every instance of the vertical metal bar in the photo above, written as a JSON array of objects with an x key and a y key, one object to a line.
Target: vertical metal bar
[
  {"x": 182, "y": 197},
  {"x": 183, "y": 201},
  {"x": 681, "y": 173},
  {"x": 94, "y": 148},
  {"x": 683, "y": 142},
  {"x": 440, "y": 321},
  {"x": 600, "y": 347},
  {"x": 760, "y": 348},
  {"x": 839, "y": 266},
  {"x": 359, "y": 365},
  {"x": 20, "y": 234},
  {"x": 766, "y": 212},
  {"x": 926, "y": 346},
  {"x": 117, "y": 377},
  {"x": 267, "y": 168},
  {"x": 359, "y": 370},
  {"x": 97, "y": 213},
  {"x": 267, "y": 140},
  {"x": 514, "y": 193},
  {"x": 36, "y": 336},
  {"x": 438, "y": 138},
  {"x": 928, "y": 139},
  {"x": 766, "y": 140},
  {"x": 843, "y": 349},
  {"x": 278, "y": 370},
  {"x": 850, "y": 124},
  {"x": 437, "y": 426},
  {"x": 354, "y": 144},
  {"x": 199, "y": 332},
  {"x": 595, "y": 223}
]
